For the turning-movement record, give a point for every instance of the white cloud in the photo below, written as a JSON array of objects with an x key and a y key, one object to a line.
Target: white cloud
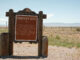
[{"x": 49, "y": 15}]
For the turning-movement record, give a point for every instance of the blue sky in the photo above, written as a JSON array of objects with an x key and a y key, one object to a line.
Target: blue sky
[{"x": 58, "y": 11}]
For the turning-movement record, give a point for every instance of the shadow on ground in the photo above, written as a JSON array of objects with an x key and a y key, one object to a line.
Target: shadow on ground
[{"x": 22, "y": 57}]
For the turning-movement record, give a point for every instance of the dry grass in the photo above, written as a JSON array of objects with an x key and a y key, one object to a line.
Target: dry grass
[
  {"x": 63, "y": 36},
  {"x": 59, "y": 36},
  {"x": 66, "y": 37},
  {"x": 3, "y": 29}
]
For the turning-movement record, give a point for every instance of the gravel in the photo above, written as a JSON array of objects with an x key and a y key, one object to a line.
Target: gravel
[{"x": 26, "y": 51}]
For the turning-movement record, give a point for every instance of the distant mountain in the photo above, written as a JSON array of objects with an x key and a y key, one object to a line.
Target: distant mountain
[
  {"x": 3, "y": 25},
  {"x": 62, "y": 24},
  {"x": 57, "y": 25}
]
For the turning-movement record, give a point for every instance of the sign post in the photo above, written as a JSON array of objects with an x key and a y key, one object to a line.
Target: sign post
[
  {"x": 26, "y": 26},
  {"x": 11, "y": 15}
]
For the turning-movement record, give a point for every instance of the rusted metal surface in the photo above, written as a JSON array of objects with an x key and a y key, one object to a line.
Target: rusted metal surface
[{"x": 26, "y": 28}]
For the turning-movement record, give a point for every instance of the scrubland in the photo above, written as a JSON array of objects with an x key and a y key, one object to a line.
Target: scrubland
[
  {"x": 63, "y": 36},
  {"x": 64, "y": 44}
]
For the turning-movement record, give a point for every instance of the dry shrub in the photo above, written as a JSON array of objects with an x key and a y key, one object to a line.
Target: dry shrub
[{"x": 77, "y": 29}]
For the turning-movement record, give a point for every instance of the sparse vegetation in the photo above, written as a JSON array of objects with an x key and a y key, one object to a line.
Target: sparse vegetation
[
  {"x": 3, "y": 29},
  {"x": 63, "y": 36},
  {"x": 60, "y": 36},
  {"x": 57, "y": 37},
  {"x": 78, "y": 29}
]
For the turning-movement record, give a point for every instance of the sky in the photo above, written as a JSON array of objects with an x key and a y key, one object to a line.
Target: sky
[{"x": 58, "y": 11}]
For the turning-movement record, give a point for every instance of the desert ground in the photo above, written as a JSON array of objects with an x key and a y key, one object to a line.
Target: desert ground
[
  {"x": 26, "y": 51},
  {"x": 64, "y": 44}
]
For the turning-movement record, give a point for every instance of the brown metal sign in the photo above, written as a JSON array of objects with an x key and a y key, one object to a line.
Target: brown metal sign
[{"x": 26, "y": 28}]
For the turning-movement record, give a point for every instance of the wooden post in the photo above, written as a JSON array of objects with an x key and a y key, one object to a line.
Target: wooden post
[
  {"x": 11, "y": 30},
  {"x": 40, "y": 24},
  {"x": 0, "y": 44},
  {"x": 4, "y": 43},
  {"x": 44, "y": 46}
]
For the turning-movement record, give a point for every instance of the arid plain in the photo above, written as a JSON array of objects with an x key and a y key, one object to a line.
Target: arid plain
[{"x": 64, "y": 44}]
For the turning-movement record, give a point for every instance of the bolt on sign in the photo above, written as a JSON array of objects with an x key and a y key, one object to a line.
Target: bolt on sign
[{"x": 26, "y": 28}]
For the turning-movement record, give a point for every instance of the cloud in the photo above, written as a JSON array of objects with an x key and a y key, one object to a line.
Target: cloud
[
  {"x": 49, "y": 18},
  {"x": 49, "y": 15}
]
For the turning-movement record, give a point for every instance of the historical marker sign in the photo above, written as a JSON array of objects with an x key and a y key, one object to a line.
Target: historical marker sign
[
  {"x": 26, "y": 28},
  {"x": 23, "y": 27}
]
